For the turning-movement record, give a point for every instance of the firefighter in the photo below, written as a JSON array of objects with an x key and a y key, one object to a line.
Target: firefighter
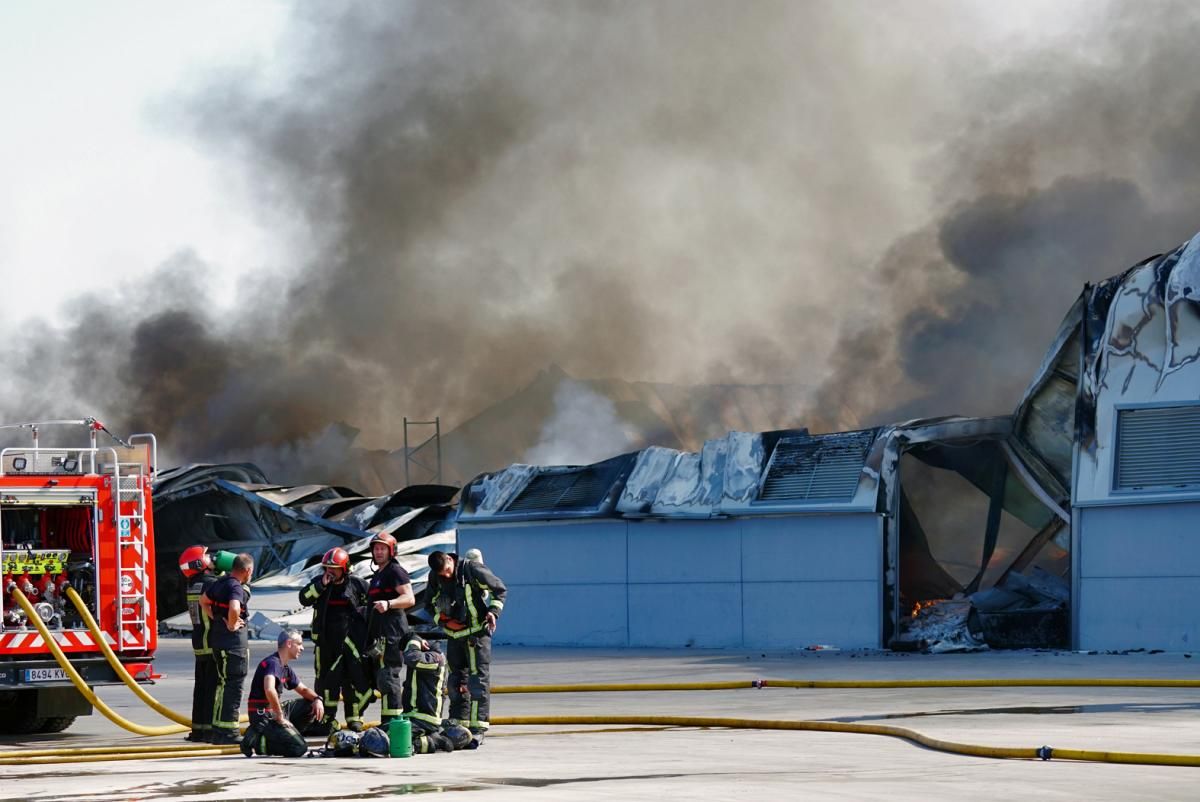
[
  {"x": 424, "y": 687},
  {"x": 197, "y": 567},
  {"x": 389, "y": 595},
  {"x": 275, "y": 727},
  {"x": 466, "y": 599},
  {"x": 339, "y": 601},
  {"x": 225, "y": 603}
]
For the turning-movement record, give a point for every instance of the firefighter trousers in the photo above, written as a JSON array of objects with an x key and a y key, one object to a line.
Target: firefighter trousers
[
  {"x": 266, "y": 736},
  {"x": 204, "y": 688},
  {"x": 230, "y": 666},
  {"x": 340, "y": 673},
  {"x": 389, "y": 681},
  {"x": 427, "y": 739},
  {"x": 470, "y": 663}
]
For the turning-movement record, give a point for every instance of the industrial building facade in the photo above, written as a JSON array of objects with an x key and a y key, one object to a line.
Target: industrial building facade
[{"x": 1073, "y": 523}]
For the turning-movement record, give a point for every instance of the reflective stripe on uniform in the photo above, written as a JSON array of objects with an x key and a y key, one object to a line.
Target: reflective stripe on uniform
[{"x": 472, "y": 613}]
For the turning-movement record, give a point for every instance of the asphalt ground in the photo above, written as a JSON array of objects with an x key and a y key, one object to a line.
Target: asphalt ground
[{"x": 576, "y": 762}]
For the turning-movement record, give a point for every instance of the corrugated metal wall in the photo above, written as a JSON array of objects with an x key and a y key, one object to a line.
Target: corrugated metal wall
[{"x": 771, "y": 582}]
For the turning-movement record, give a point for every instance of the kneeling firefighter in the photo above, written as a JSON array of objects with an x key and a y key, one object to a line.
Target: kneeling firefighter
[
  {"x": 389, "y": 594},
  {"x": 339, "y": 633},
  {"x": 275, "y": 727},
  {"x": 424, "y": 688}
]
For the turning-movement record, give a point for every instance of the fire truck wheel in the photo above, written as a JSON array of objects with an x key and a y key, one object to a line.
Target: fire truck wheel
[
  {"x": 56, "y": 724},
  {"x": 18, "y": 713}
]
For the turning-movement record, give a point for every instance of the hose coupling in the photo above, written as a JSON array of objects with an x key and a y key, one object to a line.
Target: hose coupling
[{"x": 1045, "y": 753}]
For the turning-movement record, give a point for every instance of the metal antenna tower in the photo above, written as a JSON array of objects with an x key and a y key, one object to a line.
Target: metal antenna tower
[{"x": 414, "y": 456}]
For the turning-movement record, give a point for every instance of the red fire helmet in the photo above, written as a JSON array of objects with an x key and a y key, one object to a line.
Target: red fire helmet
[
  {"x": 193, "y": 560},
  {"x": 384, "y": 537},
  {"x": 336, "y": 558}
]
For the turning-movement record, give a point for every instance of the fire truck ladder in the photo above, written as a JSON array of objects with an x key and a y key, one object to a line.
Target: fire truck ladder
[{"x": 129, "y": 502}]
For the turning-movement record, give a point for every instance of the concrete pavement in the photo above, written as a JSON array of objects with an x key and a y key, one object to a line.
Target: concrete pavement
[{"x": 570, "y": 762}]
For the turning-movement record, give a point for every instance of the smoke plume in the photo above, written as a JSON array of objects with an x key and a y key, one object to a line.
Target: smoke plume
[{"x": 895, "y": 203}]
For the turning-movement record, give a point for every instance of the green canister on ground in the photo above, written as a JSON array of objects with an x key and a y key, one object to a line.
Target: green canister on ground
[{"x": 400, "y": 737}]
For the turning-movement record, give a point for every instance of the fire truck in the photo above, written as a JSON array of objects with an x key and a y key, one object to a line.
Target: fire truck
[{"x": 79, "y": 516}]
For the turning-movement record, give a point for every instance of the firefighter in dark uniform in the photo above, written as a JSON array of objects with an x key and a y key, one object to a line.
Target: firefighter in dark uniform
[
  {"x": 275, "y": 726},
  {"x": 197, "y": 567},
  {"x": 389, "y": 595},
  {"x": 423, "y": 690},
  {"x": 466, "y": 599},
  {"x": 225, "y": 602},
  {"x": 339, "y": 631}
]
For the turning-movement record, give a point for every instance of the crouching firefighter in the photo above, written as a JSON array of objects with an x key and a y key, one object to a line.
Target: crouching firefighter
[
  {"x": 424, "y": 688},
  {"x": 466, "y": 600},
  {"x": 339, "y": 633},
  {"x": 275, "y": 728},
  {"x": 389, "y": 594}
]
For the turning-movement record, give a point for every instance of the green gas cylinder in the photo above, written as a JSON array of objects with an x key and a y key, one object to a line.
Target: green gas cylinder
[
  {"x": 400, "y": 737},
  {"x": 223, "y": 561}
]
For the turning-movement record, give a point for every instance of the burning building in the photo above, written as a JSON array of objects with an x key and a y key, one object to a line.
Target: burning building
[{"x": 1065, "y": 524}]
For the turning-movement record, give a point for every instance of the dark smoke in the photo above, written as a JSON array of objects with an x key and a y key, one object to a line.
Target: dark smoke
[{"x": 889, "y": 202}]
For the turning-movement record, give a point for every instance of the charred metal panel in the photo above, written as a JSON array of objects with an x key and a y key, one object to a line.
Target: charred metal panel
[{"x": 824, "y": 468}]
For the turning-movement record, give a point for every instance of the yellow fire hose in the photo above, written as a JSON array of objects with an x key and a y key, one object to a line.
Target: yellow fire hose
[
  {"x": 1016, "y": 682},
  {"x": 976, "y": 750},
  {"x": 109, "y": 655},
  {"x": 78, "y": 681},
  {"x": 79, "y": 755}
]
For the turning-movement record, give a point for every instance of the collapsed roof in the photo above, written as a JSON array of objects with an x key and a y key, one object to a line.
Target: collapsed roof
[{"x": 286, "y": 528}]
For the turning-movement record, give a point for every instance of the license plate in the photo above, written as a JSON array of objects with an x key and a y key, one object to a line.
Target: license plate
[{"x": 44, "y": 674}]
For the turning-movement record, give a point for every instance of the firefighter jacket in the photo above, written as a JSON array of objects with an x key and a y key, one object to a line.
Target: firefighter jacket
[
  {"x": 459, "y": 604},
  {"x": 339, "y": 609},
  {"x": 387, "y": 632},
  {"x": 197, "y": 586}
]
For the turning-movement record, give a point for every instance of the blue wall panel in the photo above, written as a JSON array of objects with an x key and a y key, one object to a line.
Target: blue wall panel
[
  {"x": 1139, "y": 577},
  {"x": 671, "y": 615},
  {"x": 550, "y": 553},
  {"x": 1150, "y": 540},
  {"x": 792, "y": 615},
  {"x": 784, "y": 582},
  {"x": 814, "y": 548},
  {"x": 684, "y": 551},
  {"x": 564, "y": 615}
]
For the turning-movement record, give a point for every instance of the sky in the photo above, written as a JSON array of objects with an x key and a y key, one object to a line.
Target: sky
[
  {"x": 96, "y": 192},
  {"x": 236, "y": 224}
]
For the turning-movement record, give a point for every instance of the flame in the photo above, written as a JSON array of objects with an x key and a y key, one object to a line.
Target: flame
[{"x": 923, "y": 605}]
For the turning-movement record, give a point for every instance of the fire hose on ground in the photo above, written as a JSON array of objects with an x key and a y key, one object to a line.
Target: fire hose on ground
[{"x": 90, "y": 754}]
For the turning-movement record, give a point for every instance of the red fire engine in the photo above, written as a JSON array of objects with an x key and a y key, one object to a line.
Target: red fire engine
[{"x": 78, "y": 516}]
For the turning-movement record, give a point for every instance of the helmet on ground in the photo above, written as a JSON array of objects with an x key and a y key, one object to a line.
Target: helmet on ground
[
  {"x": 194, "y": 560},
  {"x": 458, "y": 735},
  {"x": 386, "y": 539},
  {"x": 343, "y": 743},
  {"x": 374, "y": 743},
  {"x": 336, "y": 558}
]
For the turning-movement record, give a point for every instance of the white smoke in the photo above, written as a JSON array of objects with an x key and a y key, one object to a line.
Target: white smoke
[{"x": 583, "y": 429}]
